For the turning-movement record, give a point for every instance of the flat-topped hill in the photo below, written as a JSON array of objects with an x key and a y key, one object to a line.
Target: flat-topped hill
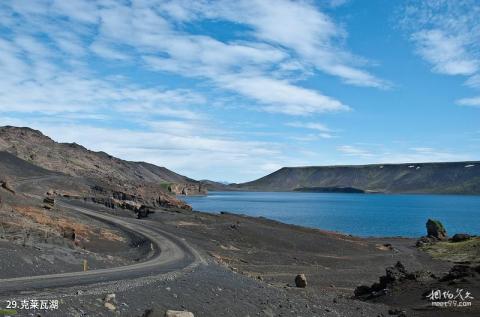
[{"x": 433, "y": 178}]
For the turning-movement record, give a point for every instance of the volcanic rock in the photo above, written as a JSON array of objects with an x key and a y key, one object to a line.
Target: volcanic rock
[
  {"x": 436, "y": 229},
  {"x": 301, "y": 281},
  {"x": 459, "y": 237}
]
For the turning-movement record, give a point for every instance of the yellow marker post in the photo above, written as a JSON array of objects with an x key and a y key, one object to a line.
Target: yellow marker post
[{"x": 85, "y": 265}]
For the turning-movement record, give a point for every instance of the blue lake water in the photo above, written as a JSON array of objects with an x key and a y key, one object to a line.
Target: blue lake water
[{"x": 357, "y": 214}]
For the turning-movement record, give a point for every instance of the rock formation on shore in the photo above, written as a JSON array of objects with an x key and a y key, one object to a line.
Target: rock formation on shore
[{"x": 435, "y": 232}]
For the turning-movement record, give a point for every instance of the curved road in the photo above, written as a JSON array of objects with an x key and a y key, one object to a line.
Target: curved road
[{"x": 171, "y": 254}]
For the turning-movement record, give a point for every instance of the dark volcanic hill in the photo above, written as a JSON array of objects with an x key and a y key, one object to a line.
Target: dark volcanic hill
[
  {"x": 75, "y": 171},
  {"x": 75, "y": 160},
  {"x": 433, "y": 178}
]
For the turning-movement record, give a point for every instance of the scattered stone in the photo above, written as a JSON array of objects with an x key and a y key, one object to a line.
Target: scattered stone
[
  {"x": 110, "y": 301},
  {"x": 436, "y": 229},
  {"x": 110, "y": 306},
  {"x": 459, "y": 237},
  {"x": 301, "y": 281},
  {"x": 177, "y": 313}
]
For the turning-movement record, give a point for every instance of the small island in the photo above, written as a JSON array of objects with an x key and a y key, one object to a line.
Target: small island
[{"x": 345, "y": 190}]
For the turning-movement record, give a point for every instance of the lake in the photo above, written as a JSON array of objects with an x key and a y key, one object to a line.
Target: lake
[{"x": 357, "y": 214}]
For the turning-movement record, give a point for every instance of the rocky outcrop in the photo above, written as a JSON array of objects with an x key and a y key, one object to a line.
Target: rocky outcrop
[
  {"x": 435, "y": 232},
  {"x": 435, "y": 229},
  {"x": 393, "y": 275},
  {"x": 141, "y": 201},
  {"x": 187, "y": 189}
]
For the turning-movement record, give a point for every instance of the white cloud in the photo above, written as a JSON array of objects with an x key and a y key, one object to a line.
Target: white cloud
[
  {"x": 314, "y": 37},
  {"x": 383, "y": 154},
  {"x": 474, "y": 102},
  {"x": 354, "y": 151},
  {"x": 446, "y": 52},
  {"x": 104, "y": 50},
  {"x": 49, "y": 78},
  {"x": 447, "y": 35},
  {"x": 153, "y": 31},
  {"x": 281, "y": 96},
  {"x": 310, "y": 125}
]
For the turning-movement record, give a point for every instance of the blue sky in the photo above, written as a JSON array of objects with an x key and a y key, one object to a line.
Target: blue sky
[{"x": 233, "y": 90}]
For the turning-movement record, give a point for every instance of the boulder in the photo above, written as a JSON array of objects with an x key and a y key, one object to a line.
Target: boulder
[
  {"x": 178, "y": 313},
  {"x": 459, "y": 237},
  {"x": 435, "y": 229},
  {"x": 109, "y": 302},
  {"x": 301, "y": 281},
  {"x": 110, "y": 306}
]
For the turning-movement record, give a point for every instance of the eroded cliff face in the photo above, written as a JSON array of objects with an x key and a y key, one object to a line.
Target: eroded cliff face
[{"x": 187, "y": 189}]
